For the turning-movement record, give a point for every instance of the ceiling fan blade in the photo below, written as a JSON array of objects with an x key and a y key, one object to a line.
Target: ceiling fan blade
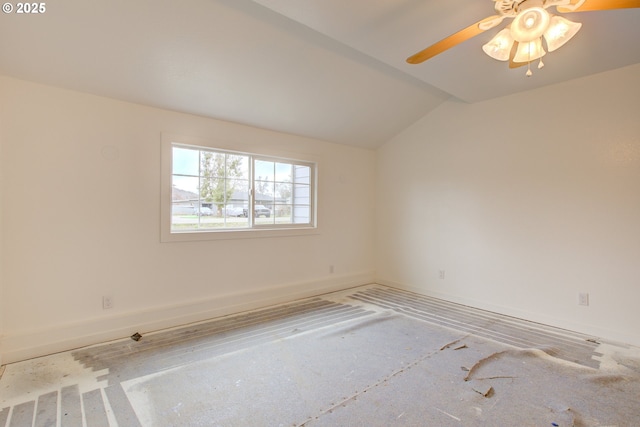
[
  {"x": 512, "y": 55},
  {"x": 454, "y": 39},
  {"x": 590, "y": 5}
]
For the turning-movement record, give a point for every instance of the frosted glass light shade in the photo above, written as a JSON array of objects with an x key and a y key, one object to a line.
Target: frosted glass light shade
[
  {"x": 529, "y": 51},
  {"x": 530, "y": 24},
  {"x": 560, "y": 31},
  {"x": 500, "y": 46}
]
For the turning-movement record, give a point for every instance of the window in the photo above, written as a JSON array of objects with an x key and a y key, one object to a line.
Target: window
[{"x": 218, "y": 190}]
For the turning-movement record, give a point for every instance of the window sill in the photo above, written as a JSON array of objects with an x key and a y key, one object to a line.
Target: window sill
[{"x": 253, "y": 233}]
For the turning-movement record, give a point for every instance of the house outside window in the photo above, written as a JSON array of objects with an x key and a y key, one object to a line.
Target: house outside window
[{"x": 217, "y": 190}]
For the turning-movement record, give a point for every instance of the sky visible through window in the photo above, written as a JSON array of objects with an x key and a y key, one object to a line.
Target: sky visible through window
[{"x": 186, "y": 162}]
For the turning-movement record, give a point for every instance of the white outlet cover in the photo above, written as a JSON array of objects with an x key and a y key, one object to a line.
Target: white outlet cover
[
  {"x": 583, "y": 298},
  {"x": 107, "y": 302}
]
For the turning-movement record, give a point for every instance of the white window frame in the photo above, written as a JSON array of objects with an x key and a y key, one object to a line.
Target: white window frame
[{"x": 253, "y": 231}]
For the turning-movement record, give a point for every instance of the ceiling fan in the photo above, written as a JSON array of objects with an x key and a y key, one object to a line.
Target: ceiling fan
[{"x": 521, "y": 41}]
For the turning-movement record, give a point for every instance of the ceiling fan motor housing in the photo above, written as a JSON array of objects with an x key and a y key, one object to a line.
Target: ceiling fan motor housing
[{"x": 530, "y": 24}]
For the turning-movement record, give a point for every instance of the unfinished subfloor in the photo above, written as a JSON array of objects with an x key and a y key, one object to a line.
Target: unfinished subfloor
[{"x": 370, "y": 356}]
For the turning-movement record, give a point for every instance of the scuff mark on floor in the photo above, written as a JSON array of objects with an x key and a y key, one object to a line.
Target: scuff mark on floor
[{"x": 448, "y": 414}]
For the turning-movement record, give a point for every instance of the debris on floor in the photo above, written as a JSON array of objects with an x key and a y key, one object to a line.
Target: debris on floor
[
  {"x": 481, "y": 362},
  {"x": 452, "y": 343},
  {"x": 485, "y": 390}
]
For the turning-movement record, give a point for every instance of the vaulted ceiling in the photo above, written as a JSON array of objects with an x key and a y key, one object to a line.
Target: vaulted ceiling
[{"x": 328, "y": 69}]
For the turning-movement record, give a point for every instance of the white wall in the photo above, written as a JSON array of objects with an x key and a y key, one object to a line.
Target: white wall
[
  {"x": 2, "y": 299},
  {"x": 81, "y": 219},
  {"x": 523, "y": 201}
]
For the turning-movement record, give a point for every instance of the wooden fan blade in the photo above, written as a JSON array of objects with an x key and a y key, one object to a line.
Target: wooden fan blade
[
  {"x": 451, "y": 41},
  {"x": 590, "y": 5}
]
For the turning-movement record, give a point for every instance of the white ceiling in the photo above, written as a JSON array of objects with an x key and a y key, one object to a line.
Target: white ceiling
[{"x": 328, "y": 69}]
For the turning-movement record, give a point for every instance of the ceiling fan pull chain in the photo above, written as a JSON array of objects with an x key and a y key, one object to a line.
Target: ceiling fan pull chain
[{"x": 541, "y": 64}]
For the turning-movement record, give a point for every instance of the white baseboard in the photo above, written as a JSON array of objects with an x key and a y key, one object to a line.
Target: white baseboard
[
  {"x": 595, "y": 331},
  {"x": 70, "y": 336}
]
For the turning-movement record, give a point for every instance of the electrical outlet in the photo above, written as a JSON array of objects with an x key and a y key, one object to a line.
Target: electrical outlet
[
  {"x": 107, "y": 302},
  {"x": 583, "y": 298},
  {"x": 441, "y": 274},
  {"x": 331, "y": 269}
]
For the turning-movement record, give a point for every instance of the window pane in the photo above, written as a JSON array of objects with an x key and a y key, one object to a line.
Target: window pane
[
  {"x": 302, "y": 215},
  {"x": 263, "y": 214},
  {"x": 185, "y": 161},
  {"x": 265, "y": 221},
  {"x": 236, "y": 222},
  {"x": 204, "y": 210},
  {"x": 283, "y": 172},
  {"x": 283, "y": 214},
  {"x": 212, "y": 165},
  {"x": 264, "y": 170},
  {"x": 237, "y": 166},
  {"x": 185, "y": 188},
  {"x": 283, "y": 193},
  {"x": 183, "y": 216},
  {"x": 233, "y": 210},
  {"x": 265, "y": 191},
  {"x": 232, "y": 216},
  {"x": 214, "y": 190},
  {"x": 239, "y": 192},
  {"x": 302, "y": 174},
  {"x": 302, "y": 194}
]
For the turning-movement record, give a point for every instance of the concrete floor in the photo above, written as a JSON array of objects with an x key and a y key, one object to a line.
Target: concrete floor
[{"x": 370, "y": 356}]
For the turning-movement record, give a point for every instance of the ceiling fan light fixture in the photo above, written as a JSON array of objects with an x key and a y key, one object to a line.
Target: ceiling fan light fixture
[
  {"x": 500, "y": 46},
  {"x": 530, "y": 24},
  {"x": 529, "y": 51},
  {"x": 521, "y": 42},
  {"x": 560, "y": 31}
]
